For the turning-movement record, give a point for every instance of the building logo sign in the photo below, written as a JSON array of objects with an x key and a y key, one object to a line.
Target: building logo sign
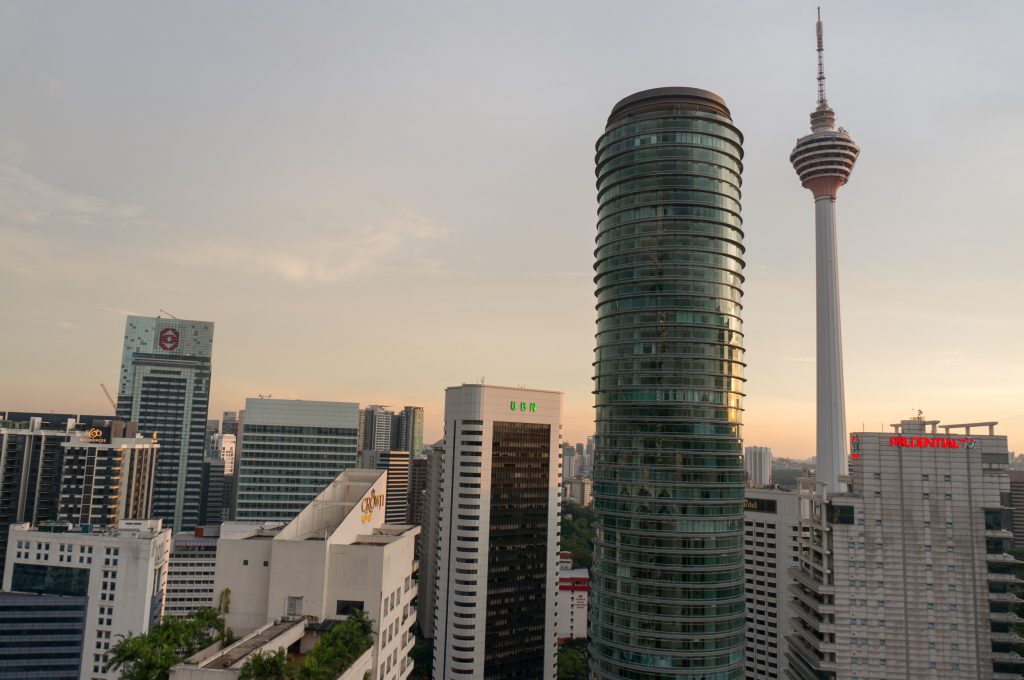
[
  {"x": 371, "y": 503},
  {"x": 932, "y": 442},
  {"x": 96, "y": 435},
  {"x": 761, "y": 505},
  {"x": 169, "y": 339},
  {"x": 523, "y": 406}
]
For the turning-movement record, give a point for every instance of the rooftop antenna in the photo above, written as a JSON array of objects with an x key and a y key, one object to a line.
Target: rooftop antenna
[
  {"x": 822, "y": 101},
  {"x": 176, "y": 318}
]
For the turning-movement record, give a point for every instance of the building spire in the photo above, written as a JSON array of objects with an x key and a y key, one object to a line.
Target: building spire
[
  {"x": 822, "y": 100},
  {"x": 823, "y": 119}
]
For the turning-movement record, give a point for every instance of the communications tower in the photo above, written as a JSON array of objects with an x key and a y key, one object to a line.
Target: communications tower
[{"x": 823, "y": 160}]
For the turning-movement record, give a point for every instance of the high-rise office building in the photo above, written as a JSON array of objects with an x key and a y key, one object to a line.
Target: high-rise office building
[
  {"x": 216, "y": 493},
  {"x": 771, "y": 522},
  {"x": 31, "y": 464},
  {"x": 229, "y": 423},
  {"x": 823, "y": 160},
  {"x": 497, "y": 536},
  {"x": 407, "y": 430},
  {"x": 165, "y": 388},
  {"x": 375, "y": 424},
  {"x": 397, "y": 464},
  {"x": 417, "y": 491},
  {"x": 32, "y": 622},
  {"x": 1017, "y": 503},
  {"x": 119, "y": 572},
  {"x": 667, "y": 579},
  {"x": 757, "y": 462},
  {"x": 290, "y": 450},
  {"x": 223, "y": 447},
  {"x": 108, "y": 475},
  {"x": 906, "y": 573},
  {"x": 429, "y": 544},
  {"x": 570, "y": 461}
]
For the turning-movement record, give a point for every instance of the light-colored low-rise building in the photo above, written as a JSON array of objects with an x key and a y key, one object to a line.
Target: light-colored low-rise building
[
  {"x": 335, "y": 557},
  {"x": 121, "y": 571},
  {"x": 190, "y": 571},
  {"x": 573, "y": 592}
]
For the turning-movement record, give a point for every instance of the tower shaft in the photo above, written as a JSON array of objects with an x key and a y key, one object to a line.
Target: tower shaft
[{"x": 831, "y": 401}]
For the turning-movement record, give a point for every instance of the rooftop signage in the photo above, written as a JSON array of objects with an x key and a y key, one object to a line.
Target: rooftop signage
[
  {"x": 371, "y": 503},
  {"x": 97, "y": 435},
  {"x": 932, "y": 442},
  {"x": 523, "y": 406},
  {"x": 169, "y": 339}
]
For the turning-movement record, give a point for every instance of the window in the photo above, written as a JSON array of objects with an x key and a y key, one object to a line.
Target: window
[{"x": 294, "y": 605}]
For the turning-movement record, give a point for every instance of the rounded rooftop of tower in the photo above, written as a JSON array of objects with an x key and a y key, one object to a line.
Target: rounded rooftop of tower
[
  {"x": 661, "y": 99},
  {"x": 824, "y": 159}
]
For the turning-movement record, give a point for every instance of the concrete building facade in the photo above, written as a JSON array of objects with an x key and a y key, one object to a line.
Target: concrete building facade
[
  {"x": 573, "y": 595},
  {"x": 31, "y": 464},
  {"x": 191, "y": 569},
  {"x": 497, "y": 534},
  {"x": 771, "y": 527},
  {"x": 757, "y": 462},
  {"x": 906, "y": 574},
  {"x": 289, "y": 451},
  {"x": 334, "y": 557},
  {"x": 121, "y": 571},
  {"x": 108, "y": 475},
  {"x": 165, "y": 388}
]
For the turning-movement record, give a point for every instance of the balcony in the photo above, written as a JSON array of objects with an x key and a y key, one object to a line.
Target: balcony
[{"x": 798, "y": 574}]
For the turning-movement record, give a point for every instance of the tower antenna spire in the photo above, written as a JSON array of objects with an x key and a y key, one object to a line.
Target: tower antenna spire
[{"x": 822, "y": 100}]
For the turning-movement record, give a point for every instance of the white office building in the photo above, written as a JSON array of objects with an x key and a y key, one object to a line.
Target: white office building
[
  {"x": 497, "y": 535},
  {"x": 289, "y": 451},
  {"x": 771, "y": 520},
  {"x": 573, "y": 596},
  {"x": 906, "y": 573},
  {"x": 336, "y": 556},
  {"x": 757, "y": 461},
  {"x": 190, "y": 571},
  {"x": 121, "y": 571}
]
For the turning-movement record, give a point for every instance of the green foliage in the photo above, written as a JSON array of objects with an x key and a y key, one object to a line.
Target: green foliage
[
  {"x": 150, "y": 656},
  {"x": 573, "y": 660},
  {"x": 337, "y": 649},
  {"x": 224, "y": 601},
  {"x": 578, "y": 533},
  {"x": 422, "y": 659},
  {"x": 264, "y": 666}
]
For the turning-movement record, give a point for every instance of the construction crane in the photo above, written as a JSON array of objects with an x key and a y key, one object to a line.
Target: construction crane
[
  {"x": 167, "y": 313},
  {"x": 109, "y": 398}
]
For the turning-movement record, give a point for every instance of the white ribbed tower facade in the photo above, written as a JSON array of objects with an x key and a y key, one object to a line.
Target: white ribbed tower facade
[{"x": 823, "y": 160}]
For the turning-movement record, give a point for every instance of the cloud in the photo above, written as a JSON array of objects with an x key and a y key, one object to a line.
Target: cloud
[
  {"x": 326, "y": 258},
  {"x": 67, "y": 325},
  {"x": 799, "y": 360}
]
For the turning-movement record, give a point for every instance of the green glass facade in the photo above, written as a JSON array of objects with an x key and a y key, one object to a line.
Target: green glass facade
[{"x": 667, "y": 595}]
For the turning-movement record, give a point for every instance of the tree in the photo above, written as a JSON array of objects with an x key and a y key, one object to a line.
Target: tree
[
  {"x": 264, "y": 666},
  {"x": 578, "y": 533},
  {"x": 150, "y": 656},
  {"x": 572, "y": 660}
]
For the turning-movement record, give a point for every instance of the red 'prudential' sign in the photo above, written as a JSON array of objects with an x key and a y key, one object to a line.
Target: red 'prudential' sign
[{"x": 932, "y": 442}]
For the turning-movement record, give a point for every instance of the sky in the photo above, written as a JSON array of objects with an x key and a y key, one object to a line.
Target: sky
[{"x": 374, "y": 201}]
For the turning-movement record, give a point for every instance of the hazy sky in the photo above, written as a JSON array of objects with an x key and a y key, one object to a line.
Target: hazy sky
[{"x": 376, "y": 200}]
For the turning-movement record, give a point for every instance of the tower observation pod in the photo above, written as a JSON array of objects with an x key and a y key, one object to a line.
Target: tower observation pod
[{"x": 823, "y": 160}]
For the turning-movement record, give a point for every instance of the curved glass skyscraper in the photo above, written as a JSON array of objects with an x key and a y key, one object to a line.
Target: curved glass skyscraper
[{"x": 667, "y": 579}]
